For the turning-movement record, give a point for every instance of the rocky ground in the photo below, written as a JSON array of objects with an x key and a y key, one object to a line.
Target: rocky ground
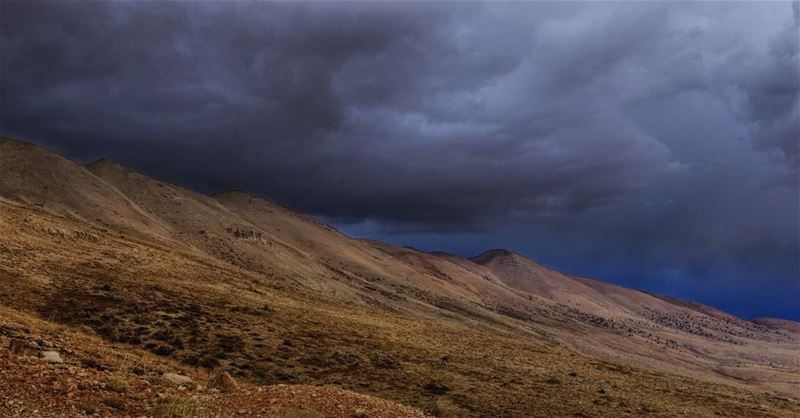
[
  {"x": 84, "y": 375},
  {"x": 42, "y": 376}
]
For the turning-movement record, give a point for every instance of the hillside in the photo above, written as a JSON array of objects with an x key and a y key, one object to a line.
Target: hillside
[{"x": 112, "y": 264}]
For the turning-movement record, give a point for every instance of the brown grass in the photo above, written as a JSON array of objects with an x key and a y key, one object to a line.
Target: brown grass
[
  {"x": 296, "y": 413},
  {"x": 176, "y": 407},
  {"x": 446, "y": 408},
  {"x": 116, "y": 384}
]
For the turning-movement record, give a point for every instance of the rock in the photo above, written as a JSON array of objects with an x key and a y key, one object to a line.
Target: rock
[
  {"x": 223, "y": 382},
  {"x": 52, "y": 357},
  {"x": 22, "y": 348},
  {"x": 177, "y": 379},
  {"x": 45, "y": 344}
]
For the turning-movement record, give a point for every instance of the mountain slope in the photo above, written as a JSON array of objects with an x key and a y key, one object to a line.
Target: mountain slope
[
  {"x": 653, "y": 330},
  {"x": 236, "y": 282},
  {"x": 44, "y": 179}
]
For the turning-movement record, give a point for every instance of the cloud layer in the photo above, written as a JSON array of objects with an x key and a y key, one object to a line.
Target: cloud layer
[{"x": 652, "y": 144}]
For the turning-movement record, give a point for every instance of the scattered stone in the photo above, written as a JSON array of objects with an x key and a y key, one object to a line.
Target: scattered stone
[
  {"x": 45, "y": 344},
  {"x": 223, "y": 382},
  {"x": 177, "y": 379},
  {"x": 52, "y": 357}
]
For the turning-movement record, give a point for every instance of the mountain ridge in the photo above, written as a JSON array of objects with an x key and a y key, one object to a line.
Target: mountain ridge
[
  {"x": 490, "y": 253},
  {"x": 273, "y": 274}
]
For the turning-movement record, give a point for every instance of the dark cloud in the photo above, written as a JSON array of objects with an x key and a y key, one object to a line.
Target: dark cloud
[
  {"x": 654, "y": 144},
  {"x": 772, "y": 93}
]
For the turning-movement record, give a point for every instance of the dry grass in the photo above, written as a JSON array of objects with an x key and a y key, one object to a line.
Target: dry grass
[
  {"x": 176, "y": 407},
  {"x": 296, "y": 413},
  {"x": 445, "y": 408},
  {"x": 116, "y": 384}
]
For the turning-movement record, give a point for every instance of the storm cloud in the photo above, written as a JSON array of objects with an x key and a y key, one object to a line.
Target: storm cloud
[{"x": 650, "y": 144}]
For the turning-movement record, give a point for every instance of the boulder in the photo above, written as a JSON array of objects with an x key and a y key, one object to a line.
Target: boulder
[
  {"x": 177, "y": 379},
  {"x": 51, "y": 357}
]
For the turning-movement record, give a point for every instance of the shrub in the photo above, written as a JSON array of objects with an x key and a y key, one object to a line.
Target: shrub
[
  {"x": 445, "y": 408},
  {"x": 116, "y": 384}
]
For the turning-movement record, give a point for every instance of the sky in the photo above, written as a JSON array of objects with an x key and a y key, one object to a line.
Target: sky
[{"x": 650, "y": 144}]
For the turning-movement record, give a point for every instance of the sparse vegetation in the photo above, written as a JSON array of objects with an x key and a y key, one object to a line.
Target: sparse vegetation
[
  {"x": 116, "y": 384},
  {"x": 446, "y": 408},
  {"x": 176, "y": 407},
  {"x": 296, "y": 413},
  {"x": 316, "y": 308}
]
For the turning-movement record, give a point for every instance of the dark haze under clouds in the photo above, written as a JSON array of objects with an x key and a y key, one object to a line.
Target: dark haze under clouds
[{"x": 654, "y": 145}]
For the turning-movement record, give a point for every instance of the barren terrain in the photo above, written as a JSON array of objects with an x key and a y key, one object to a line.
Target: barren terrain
[{"x": 130, "y": 279}]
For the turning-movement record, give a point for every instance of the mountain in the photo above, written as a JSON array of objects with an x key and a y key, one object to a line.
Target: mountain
[{"x": 131, "y": 279}]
